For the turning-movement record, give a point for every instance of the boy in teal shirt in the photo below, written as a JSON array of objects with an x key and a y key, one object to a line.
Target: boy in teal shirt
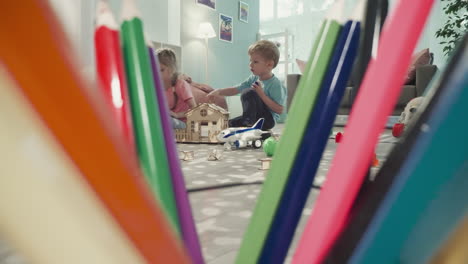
[{"x": 262, "y": 94}]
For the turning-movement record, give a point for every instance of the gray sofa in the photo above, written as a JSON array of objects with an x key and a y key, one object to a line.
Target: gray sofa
[{"x": 424, "y": 75}]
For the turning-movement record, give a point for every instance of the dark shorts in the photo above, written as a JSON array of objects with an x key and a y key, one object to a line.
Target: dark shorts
[{"x": 253, "y": 108}]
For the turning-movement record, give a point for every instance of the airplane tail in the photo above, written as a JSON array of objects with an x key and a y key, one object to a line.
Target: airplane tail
[{"x": 259, "y": 124}]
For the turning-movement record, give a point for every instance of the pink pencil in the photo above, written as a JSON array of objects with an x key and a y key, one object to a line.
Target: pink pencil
[{"x": 378, "y": 95}]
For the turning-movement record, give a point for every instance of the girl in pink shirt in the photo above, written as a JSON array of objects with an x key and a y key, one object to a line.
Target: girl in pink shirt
[{"x": 178, "y": 92}]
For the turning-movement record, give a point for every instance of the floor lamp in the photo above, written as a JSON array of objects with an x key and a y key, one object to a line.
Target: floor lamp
[{"x": 206, "y": 31}]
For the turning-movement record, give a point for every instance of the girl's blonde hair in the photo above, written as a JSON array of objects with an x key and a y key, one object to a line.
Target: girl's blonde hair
[{"x": 167, "y": 58}]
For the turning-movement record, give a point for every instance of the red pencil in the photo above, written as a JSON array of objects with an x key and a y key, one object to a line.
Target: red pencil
[{"x": 110, "y": 70}]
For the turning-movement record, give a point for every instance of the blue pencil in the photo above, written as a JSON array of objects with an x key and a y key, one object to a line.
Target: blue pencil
[{"x": 313, "y": 143}]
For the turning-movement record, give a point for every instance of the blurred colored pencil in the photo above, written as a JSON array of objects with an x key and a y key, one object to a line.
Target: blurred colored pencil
[
  {"x": 427, "y": 184},
  {"x": 145, "y": 111},
  {"x": 313, "y": 143},
  {"x": 47, "y": 210},
  {"x": 53, "y": 87},
  {"x": 111, "y": 71},
  {"x": 454, "y": 250},
  {"x": 187, "y": 224},
  {"x": 372, "y": 193},
  {"x": 301, "y": 107},
  {"x": 367, "y": 119}
]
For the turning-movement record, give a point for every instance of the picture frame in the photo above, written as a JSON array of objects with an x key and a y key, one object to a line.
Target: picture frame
[
  {"x": 226, "y": 25},
  {"x": 243, "y": 12},
  {"x": 208, "y": 3}
]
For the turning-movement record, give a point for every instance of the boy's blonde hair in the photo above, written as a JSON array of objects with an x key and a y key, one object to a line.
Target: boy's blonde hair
[
  {"x": 267, "y": 49},
  {"x": 167, "y": 58}
]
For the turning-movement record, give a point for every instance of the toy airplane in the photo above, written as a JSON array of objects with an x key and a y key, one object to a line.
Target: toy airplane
[{"x": 240, "y": 137}]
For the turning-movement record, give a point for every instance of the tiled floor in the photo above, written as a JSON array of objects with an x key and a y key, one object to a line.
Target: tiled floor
[{"x": 223, "y": 195}]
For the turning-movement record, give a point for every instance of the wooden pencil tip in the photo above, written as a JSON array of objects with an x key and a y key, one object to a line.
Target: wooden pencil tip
[
  {"x": 104, "y": 15},
  {"x": 336, "y": 11},
  {"x": 129, "y": 10},
  {"x": 359, "y": 11}
]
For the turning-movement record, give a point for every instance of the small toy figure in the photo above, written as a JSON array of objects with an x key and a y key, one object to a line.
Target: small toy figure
[
  {"x": 406, "y": 116},
  {"x": 338, "y": 137},
  {"x": 215, "y": 155},
  {"x": 265, "y": 163},
  {"x": 188, "y": 155}
]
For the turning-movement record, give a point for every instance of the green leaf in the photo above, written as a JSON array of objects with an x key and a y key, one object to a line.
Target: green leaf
[{"x": 455, "y": 26}]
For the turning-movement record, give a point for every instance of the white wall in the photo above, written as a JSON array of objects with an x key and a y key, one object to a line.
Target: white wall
[
  {"x": 174, "y": 11},
  {"x": 155, "y": 16},
  {"x": 78, "y": 25},
  {"x": 161, "y": 20}
]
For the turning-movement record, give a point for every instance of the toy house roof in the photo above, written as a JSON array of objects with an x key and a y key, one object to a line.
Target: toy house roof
[{"x": 212, "y": 106}]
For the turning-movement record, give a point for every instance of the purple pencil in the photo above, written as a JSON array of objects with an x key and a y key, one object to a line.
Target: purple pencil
[{"x": 187, "y": 225}]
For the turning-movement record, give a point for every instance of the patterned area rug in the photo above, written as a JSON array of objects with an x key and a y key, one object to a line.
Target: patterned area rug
[
  {"x": 223, "y": 194},
  {"x": 242, "y": 166}
]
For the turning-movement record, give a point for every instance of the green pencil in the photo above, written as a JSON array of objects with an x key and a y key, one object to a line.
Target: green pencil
[
  {"x": 145, "y": 111},
  {"x": 298, "y": 116}
]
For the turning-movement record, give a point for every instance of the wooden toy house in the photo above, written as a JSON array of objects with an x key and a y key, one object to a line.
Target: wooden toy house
[{"x": 204, "y": 123}]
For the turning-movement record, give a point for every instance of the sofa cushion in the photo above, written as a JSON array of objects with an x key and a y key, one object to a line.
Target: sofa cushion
[
  {"x": 424, "y": 75},
  {"x": 301, "y": 64},
  {"x": 421, "y": 58}
]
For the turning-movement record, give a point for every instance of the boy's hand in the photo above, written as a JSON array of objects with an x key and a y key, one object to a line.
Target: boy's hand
[
  {"x": 211, "y": 96},
  {"x": 258, "y": 87}
]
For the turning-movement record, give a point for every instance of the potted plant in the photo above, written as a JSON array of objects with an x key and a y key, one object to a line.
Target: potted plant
[{"x": 456, "y": 25}]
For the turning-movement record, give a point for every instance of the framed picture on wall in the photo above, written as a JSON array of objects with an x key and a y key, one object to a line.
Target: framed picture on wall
[
  {"x": 209, "y": 3},
  {"x": 243, "y": 12},
  {"x": 225, "y": 28}
]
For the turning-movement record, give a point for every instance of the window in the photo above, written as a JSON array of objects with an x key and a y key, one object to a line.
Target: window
[
  {"x": 286, "y": 64},
  {"x": 271, "y": 10},
  {"x": 203, "y": 112},
  {"x": 267, "y": 10},
  {"x": 285, "y": 8}
]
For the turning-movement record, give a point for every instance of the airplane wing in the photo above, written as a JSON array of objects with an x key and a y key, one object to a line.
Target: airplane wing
[{"x": 249, "y": 136}]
